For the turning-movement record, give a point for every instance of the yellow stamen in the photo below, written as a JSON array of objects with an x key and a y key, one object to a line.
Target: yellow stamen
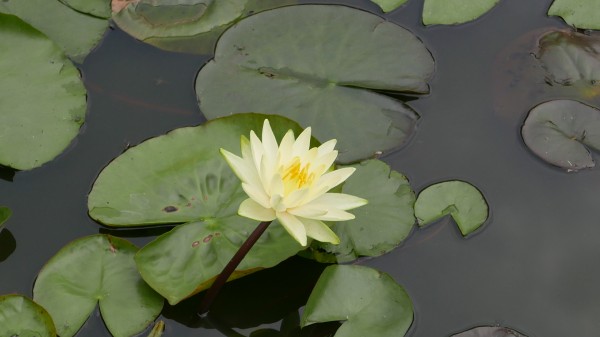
[{"x": 297, "y": 175}]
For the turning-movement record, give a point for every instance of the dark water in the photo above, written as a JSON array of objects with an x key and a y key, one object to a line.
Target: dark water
[{"x": 534, "y": 267}]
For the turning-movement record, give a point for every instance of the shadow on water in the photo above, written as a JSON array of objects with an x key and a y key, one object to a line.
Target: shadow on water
[
  {"x": 8, "y": 244},
  {"x": 7, "y": 173}
]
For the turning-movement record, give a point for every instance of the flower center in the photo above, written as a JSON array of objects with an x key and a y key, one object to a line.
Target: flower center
[{"x": 296, "y": 175}]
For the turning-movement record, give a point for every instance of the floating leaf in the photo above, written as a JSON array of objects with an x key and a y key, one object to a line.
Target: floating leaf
[
  {"x": 384, "y": 222},
  {"x": 77, "y": 34},
  {"x": 389, "y": 5},
  {"x": 98, "y": 8},
  {"x": 461, "y": 200},
  {"x": 450, "y": 12},
  {"x": 187, "y": 259},
  {"x": 182, "y": 177},
  {"x": 559, "y": 131},
  {"x": 320, "y": 65},
  {"x": 577, "y": 13},
  {"x": 571, "y": 58},
  {"x": 96, "y": 269},
  {"x": 42, "y": 98},
  {"x": 20, "y": 316},
  {"x": 489, "y": 331},
  {"x": 186, "y": 25},
  {"x": 370, "y": 302},
  {"x": 179, "y": 177},
  {"x": 5, "y": 213}
]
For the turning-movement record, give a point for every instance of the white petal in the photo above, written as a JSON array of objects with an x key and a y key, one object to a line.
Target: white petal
[
  {"x": 286, "y": 148},
  {"x": 310, "y": 212},
  {"x": 257, "y": 194},
  {"x": 242, "y": 168},
  {"x": 269, "y": 142},
  {"x": 324, "y": 162},
  {"x": 257, "y": 149},
  {"x": 302, "y": 144},
  {"x": 339, "y": 201},
  {"x": 318, "y": 230},
  {"x": 293, "y": 226},
  {"x": 326, "y": 147},
  {"x": 253, "y": 210},
  {"x": 331, "y": 180},
  {"x": 296, "y": 197},
  {"x": 335, "y": 215},
  {"x": 276, "y": 185}
]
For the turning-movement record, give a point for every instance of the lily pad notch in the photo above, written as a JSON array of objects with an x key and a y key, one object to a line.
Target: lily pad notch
[{"x": 459, "y": 199}]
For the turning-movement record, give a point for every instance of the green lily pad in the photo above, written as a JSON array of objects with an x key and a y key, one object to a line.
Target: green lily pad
[
  {"x": 450, "y": 12},
  {"x": 97, "y": 269},
  {"x": 34, "y": 131},
  {"x": 384, "y": 222},
  {"x": 98, "y": 8},
  {"x": 389, "y": 5},
  {"x": 370, "y": 302},
  {"x": 558, "y": 132},
  {"x": 77, "y": 34},
  {"x": 20, "y": 316},
  {"x": 179, "y": 177},
  {"x": 186, "y": 25},
  {"x": 5, "y": 213},
  {"x": 571, "y": 58},
  {"x": 187, "y": 259},
  {"x": 461, "y": 200},
  {"x": 489, "y": 331},
  {"x": 577, "y": 13},
  {"x": 320, "y": 65}
]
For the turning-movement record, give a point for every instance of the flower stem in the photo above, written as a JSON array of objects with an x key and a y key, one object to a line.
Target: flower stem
[{"x": 214, "y": 290}]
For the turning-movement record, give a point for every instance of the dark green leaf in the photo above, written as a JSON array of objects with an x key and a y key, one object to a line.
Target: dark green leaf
[
  {"x": 577, "y": 13},
  {"x": 42, "y": 98},
  {"x": 320, "y": 65},
  {"x": 21, "y": 317},
  {"x": 370, "y": 302},
  {"x": 77, "y": 34},
  {"x": 98, "y": 8},
  {"x": 179, "y": 177},
  {"x": 187, "y": 259},
  {"x": 459, "y": 199},
  {"x": 450, "y": 12},
  {"x": 384, "y": 222},
  {"x": 97, "y": 269},
  {"x": 5, "y": 213},
  {"x": 559, "y": 131}
]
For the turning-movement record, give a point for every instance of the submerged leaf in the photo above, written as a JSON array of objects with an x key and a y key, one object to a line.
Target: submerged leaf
[
  {"x": 389, "y": 5},
  {"x": 369, "y": 302},
  {"x": 461, "y": 200},
  {"x": 489, "y": 331},
  {"x": 559, "y": 131},
  {"x": 42, "y": 98},
  {"x": 158, "y": 329},
  {"x": 5, "y": 213},
  {"x": 571, "y": 58},
  {"x": 77, "y": 34},
  {"x": 187, "y": 259},
  {"x": 97, "y": 269},
  {"x": 577, "y": 13},
  {"x": 450, "y": 12},
  {"x": 185, "y": 25},
  {"x": 384, "y": 222},
  {"x": 322, "y": 66},
  {"x": 20, "y": 316}
]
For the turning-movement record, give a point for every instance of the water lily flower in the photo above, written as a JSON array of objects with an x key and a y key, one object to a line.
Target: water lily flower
[{"x": 290, "y": 182}]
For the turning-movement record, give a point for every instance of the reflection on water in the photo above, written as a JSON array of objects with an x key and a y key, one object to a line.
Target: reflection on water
[{"x": 533, "y": 267}]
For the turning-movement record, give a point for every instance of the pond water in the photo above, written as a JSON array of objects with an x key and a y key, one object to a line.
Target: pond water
[{"x": 533, "y": 267}]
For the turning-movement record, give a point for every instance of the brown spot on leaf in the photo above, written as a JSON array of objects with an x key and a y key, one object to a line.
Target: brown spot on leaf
[
  {"x": 170, "y": 209},
  {"x": 207, "y": 239},
  {"x": 195, "y": 244},
  {"x": 118, "y": 5}
]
